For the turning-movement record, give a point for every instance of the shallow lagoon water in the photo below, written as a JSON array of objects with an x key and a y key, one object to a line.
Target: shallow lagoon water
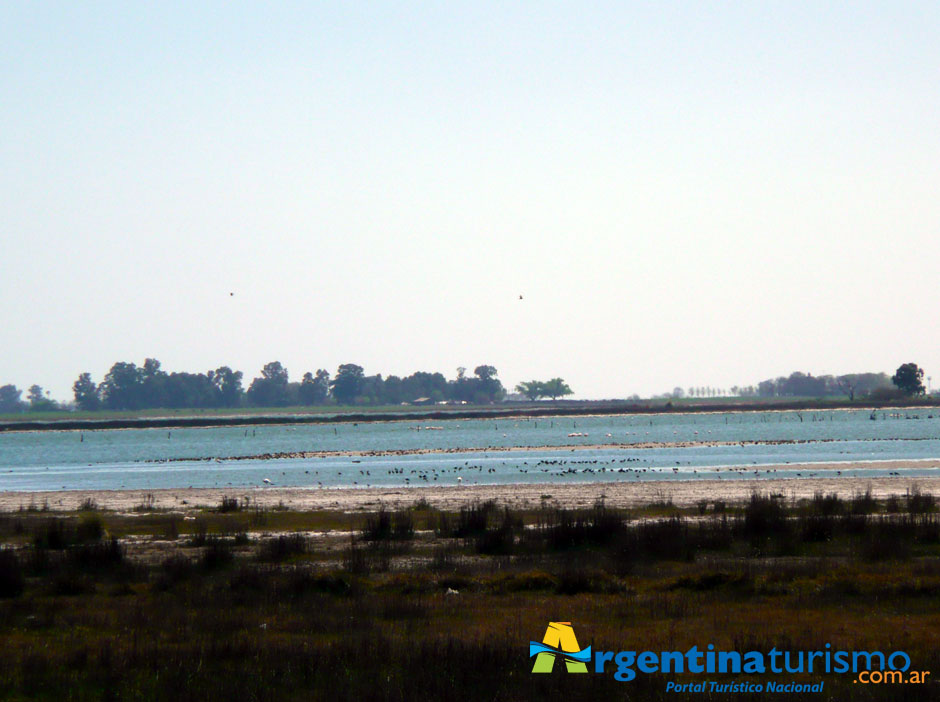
[{"x": 134, "y": 459}]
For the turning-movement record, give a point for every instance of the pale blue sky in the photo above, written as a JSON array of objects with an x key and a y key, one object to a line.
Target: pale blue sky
[{"x": 685, "y": 193}]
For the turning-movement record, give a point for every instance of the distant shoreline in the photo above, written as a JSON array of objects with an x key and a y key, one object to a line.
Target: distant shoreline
[
  {"x": 638, "y": 446},
  {"x": 567, "y": 409},
  {"x": 681, "y": 493}
]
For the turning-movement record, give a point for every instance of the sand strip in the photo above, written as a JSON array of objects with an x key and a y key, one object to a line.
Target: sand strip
[{"x": 618, "y": 494}]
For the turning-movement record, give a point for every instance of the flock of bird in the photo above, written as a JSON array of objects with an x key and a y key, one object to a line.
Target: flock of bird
[{"x": 613, "y": 466}]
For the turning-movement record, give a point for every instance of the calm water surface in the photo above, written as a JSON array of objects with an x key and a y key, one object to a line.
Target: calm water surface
[{"x": 132, "y": 459}]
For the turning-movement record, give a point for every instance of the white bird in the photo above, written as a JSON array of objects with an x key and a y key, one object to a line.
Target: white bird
[{"x": 266, "y": 481}]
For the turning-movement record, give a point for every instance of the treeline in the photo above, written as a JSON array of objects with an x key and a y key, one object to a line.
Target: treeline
[
  {"x": 798, "y": 384},
  {"x": 851, "y": 385},
  {"x": 130, "y": 387},
  {"x": 907, "y": 381}
]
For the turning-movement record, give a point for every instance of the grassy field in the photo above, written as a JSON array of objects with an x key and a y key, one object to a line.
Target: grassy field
[{"x": 241, "y": 603}]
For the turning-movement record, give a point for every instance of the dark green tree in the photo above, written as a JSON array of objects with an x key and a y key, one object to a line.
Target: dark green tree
[
  {"x": 155, "y": 387},
  {"x": 532, "y": 389},
  {"x": 489, "y": 387},
  {"x": 555, "y": 388},
  {"x": 271, "y": 389},
  {"x": 347, "y": 383},
  {"x": 38, "y": 400},
  {"x": 187, "y": 390},
  {"x": 86, "y": 393},
  {"x": 372, "y": 389},
  {"x": 122, "y": 387},
  {"x": 314, "y": 388},
  {"x": 10, "y": 399},
  {"x": 909, "y": 379},
  {"x": 228, "y": 386},
  {"x": 423, "y": 384}
]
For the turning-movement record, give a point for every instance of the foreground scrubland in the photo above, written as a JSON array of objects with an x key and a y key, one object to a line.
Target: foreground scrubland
[{"x": 242, "y": 603}]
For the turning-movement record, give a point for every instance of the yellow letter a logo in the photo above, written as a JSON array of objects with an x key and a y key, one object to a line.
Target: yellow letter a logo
[{"x": 559, "y": 636}]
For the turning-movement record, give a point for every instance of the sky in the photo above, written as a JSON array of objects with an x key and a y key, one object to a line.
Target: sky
[{"x": 682, "y": 193}]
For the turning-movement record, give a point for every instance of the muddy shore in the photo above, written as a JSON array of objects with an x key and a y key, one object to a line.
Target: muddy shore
[{"x": 620, "y": 494}]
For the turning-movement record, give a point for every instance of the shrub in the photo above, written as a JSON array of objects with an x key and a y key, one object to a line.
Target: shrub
[
  {"x": 282, "y": 547},
  {"x": 764, "y": 516},
  {"x": 827, "y": 505},
  {"x": 863, "y": 503},
  {"x": 920, "y": 502},
  {"x": 173, "y": 570},
  {"x": 51, "y": 534},
  {"x": 378, "y": 526},
  {"x": 88, "y": 505},
  {"x": 90, "y": 528},
  {"x": 106, "y": 554},
  {"x": 229, "y": 504},
  {"x": 218, "y": 554},
  {"x": 11, "y": 574}
]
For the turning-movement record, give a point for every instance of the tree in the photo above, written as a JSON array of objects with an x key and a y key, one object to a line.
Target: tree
[
  {"x": 371, "y": 389},
  {"x": 155, "y": 389},
  {"x": 274, "y": 372},
  {"x": 489, "y": 388},
  {"x": 484, "y": 372},
  {"x": 848, "y": 384},
  {"x": 228, "y": 386},
  {"x": 122, "y": 387},
  {"x": 314, "y": 388},
  {"x": 86, "y": 393},
  {"x": 393, "y": 391},
  {"x": 271, "y": 389},
  {"x": 187, "y": 390},
  {"x": 555, "y": 388},
  {"x": 10, "y": 399},
  {"x": 347, "y": 383},
  {"x": 38, "y": 400},
  {"x": 909, "y": 379},
  {"x": 533, "y": 389}
]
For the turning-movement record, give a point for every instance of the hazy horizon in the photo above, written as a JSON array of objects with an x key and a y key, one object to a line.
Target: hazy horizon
[{"x": 682, "y": 194}]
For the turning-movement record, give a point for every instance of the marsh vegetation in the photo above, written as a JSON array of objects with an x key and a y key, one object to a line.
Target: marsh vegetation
[{"x": 235, "y": 602}]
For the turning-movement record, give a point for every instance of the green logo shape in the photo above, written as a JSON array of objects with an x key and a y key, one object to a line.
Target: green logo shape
[{"x": 559, "y": 636}]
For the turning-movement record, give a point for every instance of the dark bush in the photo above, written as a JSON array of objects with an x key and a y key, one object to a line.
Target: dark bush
[
  {"x": 499, "y": 540},
  {"x": 11, "y": 574},
  {"x": 863, "y": 503},
  {"x": 282, "y": 547},
  {"x": 88, "y": 505},
  {"x": 385, "y": 526},
  {"x": 229, "y": 504},
  {"x": 90, "y": 528},
  {"x": 106, "y": 554},
  {"x": 920, "y": 502},
  {"x": 566, "y": 529},
  {"x": 174, "y": 570},
  {"x": 218, "y": 554},
  {"x": 764, "y": 516},
  {"x": 827, "y": 505},
  {"x": 817, "y": 528},
  {"x": 303, "y": 582},
  {"x": 52, "y": 534}
]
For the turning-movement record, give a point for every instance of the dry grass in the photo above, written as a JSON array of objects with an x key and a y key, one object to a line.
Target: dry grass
[{"x": 246, "y": 605}]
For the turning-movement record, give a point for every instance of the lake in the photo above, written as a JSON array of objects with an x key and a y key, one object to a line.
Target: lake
[{"x": 709, "y": 445}]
